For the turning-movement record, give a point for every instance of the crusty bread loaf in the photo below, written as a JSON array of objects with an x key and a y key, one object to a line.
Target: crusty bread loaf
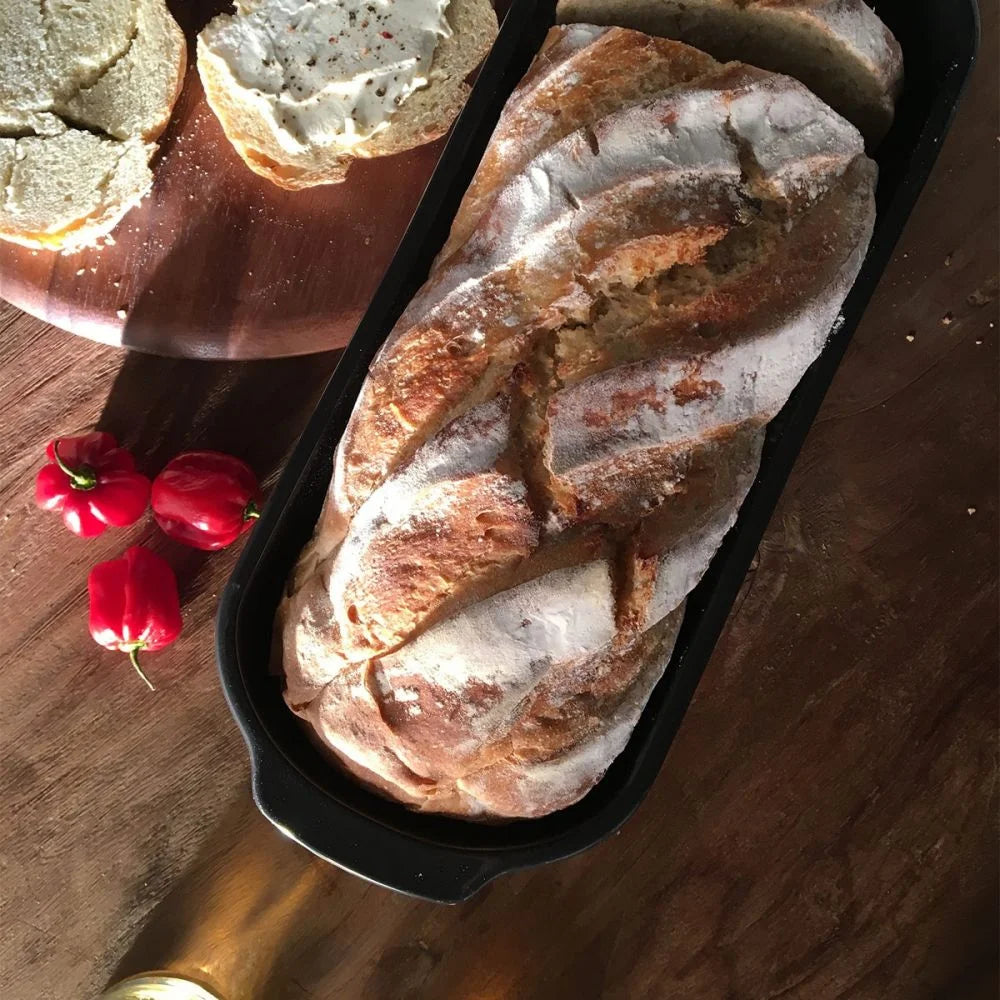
[
  {"x": 562, "y": 426},
  {"x": 840, "y": 49},
  {"x": 85, "y": 89},
  {"x": 268, "y": 145}
]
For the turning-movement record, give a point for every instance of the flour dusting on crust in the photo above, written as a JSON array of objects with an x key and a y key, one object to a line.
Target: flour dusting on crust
[{"x": 558, "y": 435}]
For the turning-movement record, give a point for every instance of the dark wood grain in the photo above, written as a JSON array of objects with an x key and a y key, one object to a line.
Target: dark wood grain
[
  {"x": 824, "y": 827},
  {"x": 217, "y": 262}
]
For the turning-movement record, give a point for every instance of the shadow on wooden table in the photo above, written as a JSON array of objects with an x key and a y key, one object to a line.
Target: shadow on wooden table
[
  {"x": 256, "y": 917},
  {"x": 237, "y": 914},
  {"x": 253, "y": 409},
  {"x": 158, "y": 407}
]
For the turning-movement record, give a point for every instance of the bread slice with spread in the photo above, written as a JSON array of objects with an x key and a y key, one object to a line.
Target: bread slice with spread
[{"x": 304, "y": 89}]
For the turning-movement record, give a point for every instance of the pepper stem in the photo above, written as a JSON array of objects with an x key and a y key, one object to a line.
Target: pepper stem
[
  {"x": 83, "y": 478},
  {"x": 251, "y": 512},
  {"x": 133, "y": 655}
]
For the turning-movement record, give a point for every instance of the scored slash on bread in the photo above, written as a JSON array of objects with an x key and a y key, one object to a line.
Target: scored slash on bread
[
  {"x": 424, "y": 116},
  {"x": 85, "y": 90},
  {"x": 586, "y": 62},
  {"x": 565, "y": 421},
  {"x": 839, "y": 49},
  {"x": 670, "y": 177}
]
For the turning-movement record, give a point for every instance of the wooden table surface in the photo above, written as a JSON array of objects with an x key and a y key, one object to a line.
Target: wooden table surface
[{"x": 825, "y": 824}]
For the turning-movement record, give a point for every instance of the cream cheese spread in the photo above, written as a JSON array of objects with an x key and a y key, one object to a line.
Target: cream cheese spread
[{"x": 330, "y": 72}]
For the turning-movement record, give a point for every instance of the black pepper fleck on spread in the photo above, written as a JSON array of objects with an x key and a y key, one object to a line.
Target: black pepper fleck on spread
[{"x": 289, "y": 62}]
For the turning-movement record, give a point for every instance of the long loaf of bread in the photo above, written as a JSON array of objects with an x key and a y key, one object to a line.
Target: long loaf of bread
[{"x": 564, "y": 423}]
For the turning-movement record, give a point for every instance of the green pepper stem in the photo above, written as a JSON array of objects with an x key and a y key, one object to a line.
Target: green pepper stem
[
  {"x": 133, "y": 655},
  {"x": 83, "y": 478},
  {"x": 251, "y": 512}
]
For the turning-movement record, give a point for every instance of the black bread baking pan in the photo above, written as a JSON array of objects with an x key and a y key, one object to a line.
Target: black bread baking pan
[{"x": 448, "y": 860}]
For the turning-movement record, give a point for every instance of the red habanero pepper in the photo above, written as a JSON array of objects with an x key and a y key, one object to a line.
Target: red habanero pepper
[
  {"x": 93, "y": 482},
  {"x": 134, "y": 604},
  {"x": 206, "y": 499}
]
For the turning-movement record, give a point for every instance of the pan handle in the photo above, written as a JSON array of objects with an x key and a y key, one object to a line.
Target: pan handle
[{"x": 362, "y": 846}]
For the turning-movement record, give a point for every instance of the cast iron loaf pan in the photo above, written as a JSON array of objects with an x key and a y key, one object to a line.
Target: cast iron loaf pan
[{"x": 448, "y": 860}]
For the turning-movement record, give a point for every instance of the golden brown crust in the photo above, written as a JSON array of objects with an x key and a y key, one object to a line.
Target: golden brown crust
[{"x": 403, "y": 575}]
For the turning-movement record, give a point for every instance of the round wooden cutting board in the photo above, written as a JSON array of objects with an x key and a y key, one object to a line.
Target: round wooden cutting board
[{"x": 217, "y": 262}]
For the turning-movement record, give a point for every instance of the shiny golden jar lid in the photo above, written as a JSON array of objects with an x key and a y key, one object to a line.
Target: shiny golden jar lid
[{"x": 159, "y": 986}]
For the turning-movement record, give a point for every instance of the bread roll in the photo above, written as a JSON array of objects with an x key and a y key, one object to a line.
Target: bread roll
[
  {"x": 85, "y": 90},
  {"x": 563, "y": 424},
  {"x": 838, "y": 48}
]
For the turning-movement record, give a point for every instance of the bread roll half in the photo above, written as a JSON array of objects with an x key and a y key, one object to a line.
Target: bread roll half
[
  {"x": 235, "y": 50},
  {"x": 85, "y": 90}
]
